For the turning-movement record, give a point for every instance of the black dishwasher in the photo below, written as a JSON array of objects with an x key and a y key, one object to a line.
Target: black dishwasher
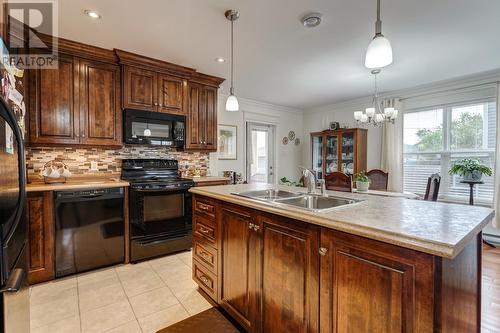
[{"x": 89, "y": 229}]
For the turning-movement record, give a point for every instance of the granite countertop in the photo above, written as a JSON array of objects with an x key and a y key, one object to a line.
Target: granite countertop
[
  {"x": 437, "y": 228},
  {"x": 76, "y": 184}
]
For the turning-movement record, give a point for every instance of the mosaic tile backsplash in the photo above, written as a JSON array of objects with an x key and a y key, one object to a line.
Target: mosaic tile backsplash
[{"x": 108, "y": 161}]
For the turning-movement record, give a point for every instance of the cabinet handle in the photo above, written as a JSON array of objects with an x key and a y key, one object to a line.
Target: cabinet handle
[
  {"x": 205, "y": 280},
  {"x": 83, "y": 135},
  {"x": 251, "y": 225},
  {"x": 256, "y": 227},
  {"x": 156, "y": 104},
  {"x": 204, "y": 255},
  {"x": 204, "y": 231},
  {"x": 322, "y": 251},
  {"x": 203, "y": 207}
]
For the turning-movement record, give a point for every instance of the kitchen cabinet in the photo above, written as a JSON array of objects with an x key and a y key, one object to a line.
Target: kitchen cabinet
[
  {"x": 275, "y": 274},
  {"x": 202, "y": 117},
  {"x": 152, "y": 91},
  {"x": 77, "y": 103},
  {"x": 40, "y": 216},
  {"x": 342, "y": 150}
]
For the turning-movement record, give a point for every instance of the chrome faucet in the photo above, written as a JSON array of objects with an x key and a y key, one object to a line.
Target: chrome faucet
[
  {"x": 322, "y": 186},
  {"x": 309, "y": 179}
]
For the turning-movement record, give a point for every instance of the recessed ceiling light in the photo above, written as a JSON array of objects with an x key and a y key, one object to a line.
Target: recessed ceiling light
[
  {"x": 92, "y": 13},
  {"x": 220, "y": 60},
  {"x": 311, "y": 20}
]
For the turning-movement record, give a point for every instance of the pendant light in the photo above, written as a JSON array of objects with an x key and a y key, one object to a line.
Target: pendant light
[
  {"x": 232, "y": 102},
  {"x": 379, "y": 52}
]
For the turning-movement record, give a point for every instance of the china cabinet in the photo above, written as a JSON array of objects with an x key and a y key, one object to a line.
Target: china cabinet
[{"x": 341, "y": 150}]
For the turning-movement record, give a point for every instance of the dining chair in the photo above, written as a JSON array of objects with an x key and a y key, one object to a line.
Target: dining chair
[
  {"x": 378, "y": 179},
  {"x": 432, "y": 190},
  {"x": 338, "y": 181}
]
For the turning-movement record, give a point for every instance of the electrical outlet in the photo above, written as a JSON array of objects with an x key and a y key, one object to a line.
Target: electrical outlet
[{"x": 94, "y": 166}]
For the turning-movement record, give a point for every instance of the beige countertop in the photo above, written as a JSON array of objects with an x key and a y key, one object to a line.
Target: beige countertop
[
  {"x": 208, "y": 179},
  {"x": 76, "y": 184},
  {"x": 441, "y": 229}
]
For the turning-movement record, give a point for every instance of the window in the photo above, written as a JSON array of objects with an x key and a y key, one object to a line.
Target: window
[{"x": 436, "y": 137}]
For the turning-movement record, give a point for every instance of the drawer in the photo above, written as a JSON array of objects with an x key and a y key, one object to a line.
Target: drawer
[
  {"x": 205, "y": 207},
  {"x": 205, "y": 279},
  {"x": 205, "y": 254},
  {"x": 205, "y": 230}
]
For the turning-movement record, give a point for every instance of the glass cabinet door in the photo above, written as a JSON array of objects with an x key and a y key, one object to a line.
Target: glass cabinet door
[
  {"x": 332, "y": 158},
  {"x": 317, "y": 155},
  {"x": 347, "y": 153}
]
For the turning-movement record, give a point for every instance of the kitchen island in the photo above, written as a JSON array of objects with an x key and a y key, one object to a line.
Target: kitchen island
[{"x": 378, "y": 265}]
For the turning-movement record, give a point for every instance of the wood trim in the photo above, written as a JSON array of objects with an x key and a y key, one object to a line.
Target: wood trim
[{"x": 126, "y": 220}]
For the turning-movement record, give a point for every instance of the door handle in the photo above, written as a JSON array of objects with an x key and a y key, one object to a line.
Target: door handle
[{"x": 14, "y": 281}]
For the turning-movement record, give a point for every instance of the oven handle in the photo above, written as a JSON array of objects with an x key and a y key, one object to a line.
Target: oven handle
[{"x": 160, "y": 190}]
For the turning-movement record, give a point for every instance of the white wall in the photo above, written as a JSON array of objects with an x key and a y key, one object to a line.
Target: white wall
[
  {"x": 318, "y": 119},
  {"x": 288, "y": 157}
]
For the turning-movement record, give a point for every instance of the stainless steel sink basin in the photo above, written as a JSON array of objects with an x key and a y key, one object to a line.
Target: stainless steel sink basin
[
  {"x": 269, "y": 195},
  {"x": 316, "y": 202},
  {"x": 311, "y": 202}
]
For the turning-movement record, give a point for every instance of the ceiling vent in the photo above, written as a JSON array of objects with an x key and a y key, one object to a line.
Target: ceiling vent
[{"x": 311, "y": 20}]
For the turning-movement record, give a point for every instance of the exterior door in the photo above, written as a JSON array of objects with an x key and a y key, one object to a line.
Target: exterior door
[
  {"x": 53, "y": 108},
  {"x": 140, "y": 89},
  {"x": 171, "y": 94},
  {"x": 260, "y": 153},
  {"x": 100, "y": 113},
  {"x": 288, "y": 273},
  {"x": 238, "y": 266}
]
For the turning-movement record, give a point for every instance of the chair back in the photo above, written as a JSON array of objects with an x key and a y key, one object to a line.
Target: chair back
[
  {"x": 432, "y": 190},
  {"x": 338, "y": 181},
  {"x": 378, "y": 179}
]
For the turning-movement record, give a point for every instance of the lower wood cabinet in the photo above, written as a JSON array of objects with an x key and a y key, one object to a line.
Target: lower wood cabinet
[
  {"x": 40, "y": 216},
  {"x": 277, "y": 275}
]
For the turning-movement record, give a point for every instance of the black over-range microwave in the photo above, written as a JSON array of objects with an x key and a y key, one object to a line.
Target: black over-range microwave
[{"x": 154, "y": 128}]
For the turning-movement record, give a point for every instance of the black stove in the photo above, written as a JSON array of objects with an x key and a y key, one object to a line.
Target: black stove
[{"x": 159, "y": 207}]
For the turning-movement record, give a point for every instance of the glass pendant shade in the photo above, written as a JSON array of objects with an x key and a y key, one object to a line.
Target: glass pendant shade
[
  {"x": 358, "y": 115},
  {"x": 379, "y": 53},
  {"x": 370, "y": 112},
  {"x": 232, "y": 103}
]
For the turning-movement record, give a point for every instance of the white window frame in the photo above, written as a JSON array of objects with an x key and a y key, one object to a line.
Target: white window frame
[{"x": 446, "y": 153}]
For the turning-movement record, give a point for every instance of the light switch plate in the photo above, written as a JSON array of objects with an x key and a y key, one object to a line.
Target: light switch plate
[{"x": 94, "y": 166}]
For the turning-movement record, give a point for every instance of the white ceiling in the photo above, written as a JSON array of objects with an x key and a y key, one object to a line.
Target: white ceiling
[{"x": 279, "y": 61}]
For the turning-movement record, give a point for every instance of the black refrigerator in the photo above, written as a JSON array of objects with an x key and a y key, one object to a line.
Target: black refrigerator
[{"x": 14, "y": 292}]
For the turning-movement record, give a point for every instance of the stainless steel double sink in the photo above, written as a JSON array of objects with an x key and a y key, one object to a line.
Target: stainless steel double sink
[{"x": 310, "y": 202}]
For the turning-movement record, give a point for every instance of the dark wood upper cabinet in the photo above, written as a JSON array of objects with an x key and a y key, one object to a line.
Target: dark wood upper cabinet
[
  {"x": 100, "y": 113},
  {"x": 202, "y": 117},
  {"x": 139, "y": 89},
  {"x": 171, "y": 94},
  {"x": 39, "y": 213},
  {"x": 78, "y": 103},
  {"x": 53, "y": 104}
]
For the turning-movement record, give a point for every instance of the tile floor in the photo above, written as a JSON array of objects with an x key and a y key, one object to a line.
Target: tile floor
[{"x": 144, "y": 297}]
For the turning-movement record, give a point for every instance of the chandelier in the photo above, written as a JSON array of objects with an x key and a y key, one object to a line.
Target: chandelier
[{"x": 374, "y": 114}]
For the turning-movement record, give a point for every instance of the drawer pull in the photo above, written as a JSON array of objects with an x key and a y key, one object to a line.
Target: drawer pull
[
  {"x": 205, "y": 255},
  {"x": 204, "y": 231},
  {"x": 205, "y": 280},
  {"x": 204, "y": 207}
]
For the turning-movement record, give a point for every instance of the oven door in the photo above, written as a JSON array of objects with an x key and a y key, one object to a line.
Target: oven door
[{"x": 159, "y": 213}]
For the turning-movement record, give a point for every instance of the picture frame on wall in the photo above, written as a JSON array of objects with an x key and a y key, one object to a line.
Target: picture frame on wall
[{"x": 227, "y": 142}]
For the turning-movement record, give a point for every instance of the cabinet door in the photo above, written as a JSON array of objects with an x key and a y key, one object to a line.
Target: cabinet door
[
  {"x": 348, "y": 152},
  {"x": 41, "y": 237},
  {"x": 368, "y": 286},
  {"x": 100, "y": 113},
  {"x": 238, "y": 266},
  {"x": 171, "y": 94},
  {"x": 210, "y": 123},
  {"x": 332, "y": 154},
  {"x": 195, "y": 117},
  {"x": 53, "y": 104},
  {"x": 140, "y": 89},
  {"x": 288, "y": 274}
]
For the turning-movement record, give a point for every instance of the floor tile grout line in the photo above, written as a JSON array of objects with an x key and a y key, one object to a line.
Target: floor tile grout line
[
  {"x": 128, "y": 299},
  {"x": 78, "y": 300}
]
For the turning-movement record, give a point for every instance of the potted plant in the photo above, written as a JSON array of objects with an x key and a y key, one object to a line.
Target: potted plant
[
  {"x": 470, "y": 169},
  {"x": 362, "y": 181}
]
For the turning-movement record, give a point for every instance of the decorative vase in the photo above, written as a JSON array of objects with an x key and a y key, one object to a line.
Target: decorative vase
[
  {"x": 362, "y": 186},
  {"x": 475, "y": 176}
]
